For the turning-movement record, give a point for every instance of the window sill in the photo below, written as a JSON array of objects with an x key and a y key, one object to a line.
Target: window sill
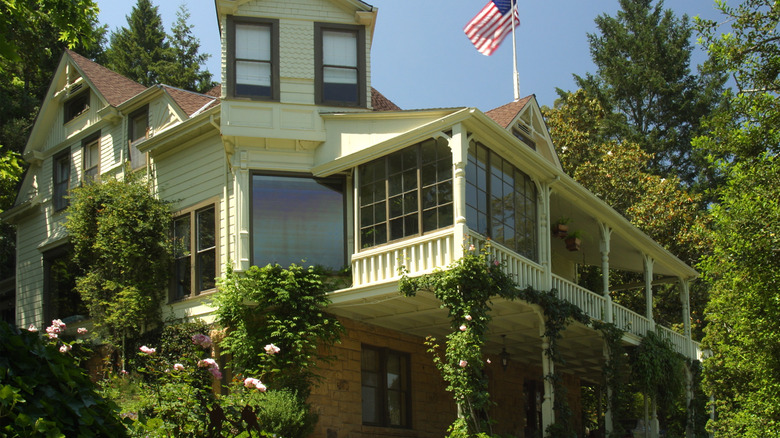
[
  {"x": 192, "y": 297},
  {"x": 388, "y": 431}
]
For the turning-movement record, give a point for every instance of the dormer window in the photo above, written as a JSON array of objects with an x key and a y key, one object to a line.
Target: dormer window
[
  {"x": 253, "y": 58},
  {"x": 76, "y": 106},
  {"x": 340, "y": 75}
]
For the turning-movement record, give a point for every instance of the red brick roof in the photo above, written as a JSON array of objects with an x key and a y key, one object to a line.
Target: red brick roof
[
  {"x": 189, "y": 101},
  {"x": 114, "y": 87},
  {"x": 504, "y": 114},
  {"x": 380, "y": 103}
]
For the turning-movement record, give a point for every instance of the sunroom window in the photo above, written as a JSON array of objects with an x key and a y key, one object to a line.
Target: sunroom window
[
  {"x": 501, "y": 201},
  {"x": 406, "y": 193}
]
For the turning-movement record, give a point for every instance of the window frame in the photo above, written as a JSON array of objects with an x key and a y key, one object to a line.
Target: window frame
[
  {"x": 382, "y": 390},
  {"x": 231, "y": 57},
  {"x": 345, "y": 210},
  {"x": 60, "y": 201},
  {"x": 194, "y": 251},
  {"x": 473, "y": 179},
  {"x": 419, "y": 190},
  {"x": 132, "y": 140},
  {"x": 85, "y": 146},
  {"x": 362, "y": 72},
  {"x": 51, "y": 305},
  {"x": 81, "y": 100}
]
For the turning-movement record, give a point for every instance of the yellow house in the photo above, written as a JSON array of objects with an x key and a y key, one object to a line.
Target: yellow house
[{"x": 297, "y": 157}]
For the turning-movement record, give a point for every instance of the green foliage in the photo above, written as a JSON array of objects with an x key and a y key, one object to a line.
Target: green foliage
[
  {"x": 186, "y": 67},
  {"x": 643, "y": 79},
  {"x": 281, "y": 412},
  {"x": 744, "y": 316},
  {"x": 660, "y": 206},
  {"x": 43, "y": 392},
  {"x": 657, "y": 370},
  {"x": 282, "y": 307},
  {"x": 465, "y": 288},
  {"x": 615, "y": 375},
  {"x": 119, "y": 231},
  {"x": 144, "y": 53}
]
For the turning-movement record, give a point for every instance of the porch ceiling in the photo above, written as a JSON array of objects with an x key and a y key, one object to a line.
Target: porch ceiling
[{"x": 519, "y": 321}]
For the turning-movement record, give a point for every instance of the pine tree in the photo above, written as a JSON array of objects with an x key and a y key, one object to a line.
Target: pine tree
[
  {"x": 186, "y": 69},
  {"x": 141, "y": 50},
  {"x": 644, "y": 81}
]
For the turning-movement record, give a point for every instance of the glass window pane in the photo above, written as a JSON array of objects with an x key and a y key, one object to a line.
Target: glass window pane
[
  {"x": 296, "y": 220},
  {"x": 253, "y": 41},
  {"x": 339, "y": 47},
  {"x": 182, "y": 278},
  {"x": 253, "y": 73},
  {"x": 206, "y": 224},
  {"x": 181, "y": 236},
  {"x": 207, "y": 273}
]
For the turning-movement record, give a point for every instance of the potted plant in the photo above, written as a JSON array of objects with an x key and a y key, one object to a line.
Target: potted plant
[
  {"x": 573, "y": 241},
  {"x": 561, "y": 228}
]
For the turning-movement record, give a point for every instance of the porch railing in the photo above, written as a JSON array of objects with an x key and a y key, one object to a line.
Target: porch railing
[
  {"x": 418, "y": 256},
  {"x": 426, "y": 253}
]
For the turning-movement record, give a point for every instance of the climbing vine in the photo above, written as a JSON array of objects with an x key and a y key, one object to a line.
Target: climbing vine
[
  {"x": 615, "y": 376},
  {"x": 657, "y": 370},
  {"x": 465, "y": 288},
  {"x": 275, "y": 322}
]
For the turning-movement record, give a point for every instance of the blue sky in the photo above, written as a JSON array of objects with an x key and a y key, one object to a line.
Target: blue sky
[{"x": 422, "y": 59}]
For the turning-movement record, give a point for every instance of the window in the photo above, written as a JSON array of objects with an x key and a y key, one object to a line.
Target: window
[
  {"x": 195, "y": 253},
  {"x": 340, "y": 65},
  {"x": 61, "y": 300},
  {"x": 385, "y": 387},
  {"x": 60, "y": 181},
  {"x": 297, "y": 219},
  {"x": 137, "y": 131},
  {"x": 76, "y": 105},
  {"x": 522, "y": 134},
  {"x": 406, "y": 193},
  {"x": 90, "y": 156},
  {"x": 501, "y": 201},
  {"x": 253, "y": 58}
]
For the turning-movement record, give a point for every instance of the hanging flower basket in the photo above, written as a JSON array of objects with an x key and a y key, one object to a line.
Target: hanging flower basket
[
  {"x": 573, "y": 241},
  {"x": 560, "y": 230}
]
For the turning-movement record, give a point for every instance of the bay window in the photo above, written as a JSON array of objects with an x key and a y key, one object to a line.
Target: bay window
[
  {"x": 406, "y": 193},
  {"x": 501, "y": 201}
]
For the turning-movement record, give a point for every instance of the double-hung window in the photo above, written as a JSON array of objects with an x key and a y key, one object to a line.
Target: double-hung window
[
  {"x": 501, "y": 201},
  {"x": 340, "y": 65},
  {"x": 60, "y": 180},
  {"x": 76, "y": 105},
  {"x": 195, "y": 252},
  {"x": 406, "y": 193},
  {"x": 253, "y": 58},
  {"x": 386, "y": 388},
  {"x": 137, "y": 131},
  {"x": 90, "y": 156}
]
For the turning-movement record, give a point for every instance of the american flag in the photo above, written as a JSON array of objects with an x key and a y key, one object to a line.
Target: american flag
[{"x": 491, "y": 25}]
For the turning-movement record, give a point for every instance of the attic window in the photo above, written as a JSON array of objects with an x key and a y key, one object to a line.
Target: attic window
[
  {"x": 523, "y": 133},
  {"x": 76, "y": 105}
]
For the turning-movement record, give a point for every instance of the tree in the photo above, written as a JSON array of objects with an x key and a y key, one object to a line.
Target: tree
[
  {"x": 185, "y": 71},
  {"x": 141, "y": 50},
  {"x": 617, "y": 173},
  {"x": 120, "y": 236},
  {"x": 644, "y": 82},
  {"x": 144, "y": 53},
  {"x": 32, "y": 39},
  {"x": 743, "y": 334}
]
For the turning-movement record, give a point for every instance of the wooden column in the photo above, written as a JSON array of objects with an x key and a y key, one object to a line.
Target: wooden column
[
  {"x": 604, "y": 246},
  {"x": 459, "y": 144}
]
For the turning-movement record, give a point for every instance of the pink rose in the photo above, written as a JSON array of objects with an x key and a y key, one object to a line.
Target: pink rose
[
  {"x": 468, "y": 317},
  {"x": 250, "y": 382},
  {"x": 260, "y": 386},
  {"x": 65, "y": 348},
  {"x": 146, "y": 350},
  {"x": 463, "y": 363},
  {"x": 202, "y": 340},
  {"x": 463, "y": 328},
  {"x": 82, "y": 331},
  {"x": 32, "y": 328},
  {"x": 210, "y": 363},
  {"x": 471, "y": 247},
  {"x": 272, "y": 349},
  {"x": 178, "y": 367},
  {"x": 216, "y": 373}
]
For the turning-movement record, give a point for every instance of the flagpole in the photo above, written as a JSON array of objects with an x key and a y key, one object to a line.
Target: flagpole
[{"x": 516, "y": 75}]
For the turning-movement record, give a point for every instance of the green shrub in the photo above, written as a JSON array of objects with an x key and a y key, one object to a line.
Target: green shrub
[
  {"x": 43, "y": 392},
  {"x": 279, "y": 412}
]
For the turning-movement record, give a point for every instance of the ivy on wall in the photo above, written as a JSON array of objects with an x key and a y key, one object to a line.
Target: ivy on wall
[{"x": 465, "y": 289}]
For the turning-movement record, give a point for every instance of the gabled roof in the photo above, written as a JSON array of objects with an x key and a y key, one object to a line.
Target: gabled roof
[
  {"x": 189, "y": 101},
  {"x": 505, "y": 114},
  {"x": 380, "y": 103},
  {"x": 114, "y": 87}
]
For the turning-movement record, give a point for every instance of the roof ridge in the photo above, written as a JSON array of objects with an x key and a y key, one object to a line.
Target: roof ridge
[{"x": 114, "y": 87}]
